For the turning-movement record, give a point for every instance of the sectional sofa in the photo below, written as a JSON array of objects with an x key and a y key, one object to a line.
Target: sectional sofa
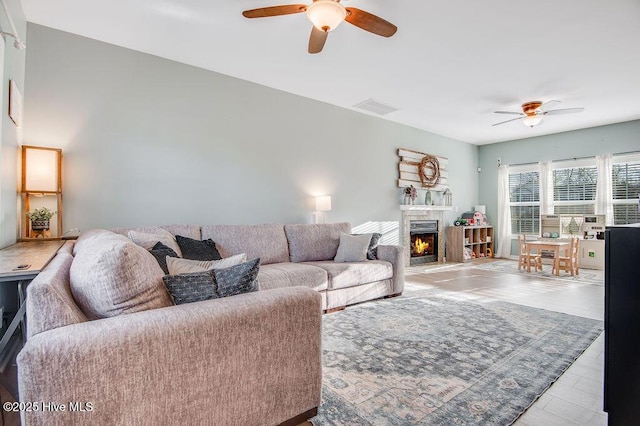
[
  {"x": 302, "y": 255},
  {"x": 250, "y": 359}
]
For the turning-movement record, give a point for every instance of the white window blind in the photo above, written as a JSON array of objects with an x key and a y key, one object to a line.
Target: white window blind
[
  {"x": 625, "y": 178},
  {"x": 524, "y": 202},
  {"x": 574, "y": 190}
]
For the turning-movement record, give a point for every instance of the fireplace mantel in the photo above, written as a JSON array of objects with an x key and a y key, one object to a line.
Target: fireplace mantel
[{"x": 423, "y": 207}]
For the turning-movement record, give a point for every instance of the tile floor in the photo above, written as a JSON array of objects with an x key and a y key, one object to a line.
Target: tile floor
[{"x": 576, "y": 398}]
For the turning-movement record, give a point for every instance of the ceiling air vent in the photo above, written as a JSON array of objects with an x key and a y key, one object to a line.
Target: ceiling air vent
[{"x": 376, "y": 107}]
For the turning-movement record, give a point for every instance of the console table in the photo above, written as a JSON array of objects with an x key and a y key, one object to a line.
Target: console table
[{"x": 21, "y": 263}]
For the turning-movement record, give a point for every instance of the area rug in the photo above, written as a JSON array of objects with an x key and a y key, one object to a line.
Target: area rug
[
  {"x": 436, "y": 360},
  {"x": 587, "y": 276}
]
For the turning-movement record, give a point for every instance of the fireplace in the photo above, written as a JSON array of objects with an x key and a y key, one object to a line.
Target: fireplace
[
  {"x": 434, "y": 216},
  {"x": 423, "y": 241}
]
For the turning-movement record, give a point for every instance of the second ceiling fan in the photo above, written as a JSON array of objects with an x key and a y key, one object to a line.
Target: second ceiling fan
[
  {"x": 326, "y": 15},
  {"x": 532, "y": 112}
]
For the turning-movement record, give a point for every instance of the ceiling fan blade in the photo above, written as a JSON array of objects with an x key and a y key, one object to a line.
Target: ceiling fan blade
[
  {"x": 546, "y": 106},
  {"x": 508, "y": 112},
  {"x": 265, "y": 12},
  {"x": 563, "y": 111},
  {"x": 317, "y": 40},
  {"x": 513, "y": 119},
  {"x": 369, "y": 22}
]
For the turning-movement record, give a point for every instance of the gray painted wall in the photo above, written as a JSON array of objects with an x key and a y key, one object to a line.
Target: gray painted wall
[
  {"x": 11, "y": 136},
  {"x": 614, "y": 138},
  {"x": 151, "y": 141}
]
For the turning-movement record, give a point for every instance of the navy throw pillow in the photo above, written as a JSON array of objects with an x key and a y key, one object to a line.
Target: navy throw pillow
[
  {"x": 160, "y": 252},
  {"x": 198, "y": 249}
]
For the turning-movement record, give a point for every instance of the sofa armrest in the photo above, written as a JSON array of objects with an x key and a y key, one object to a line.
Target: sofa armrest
[
  {"x": 248, "y": 359},
  {"x": 395, "y": 255}
]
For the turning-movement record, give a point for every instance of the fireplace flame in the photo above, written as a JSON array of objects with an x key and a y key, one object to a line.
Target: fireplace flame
[{"x": 420, "y": 247}]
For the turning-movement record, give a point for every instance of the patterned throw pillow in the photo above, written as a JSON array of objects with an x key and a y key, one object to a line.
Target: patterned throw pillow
[
  {"x": 237, "y": 279},
  {"x": 192, "y": 287},
  {"x": 160, "y": 252},
  {"x": 372, "y": 251},
  {"x": 198, "y": 249},
  {"x": 212, "y": 284}
]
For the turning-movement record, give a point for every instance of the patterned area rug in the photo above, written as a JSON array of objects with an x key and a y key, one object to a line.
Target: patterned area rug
[
  {"x": 589, "y": 276},
  {"x": 435, "y": 360}
]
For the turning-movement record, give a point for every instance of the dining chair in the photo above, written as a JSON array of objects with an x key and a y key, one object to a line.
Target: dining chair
[
  {"x": 570, "y": 262},
  {"x": 524, "y": 259}
]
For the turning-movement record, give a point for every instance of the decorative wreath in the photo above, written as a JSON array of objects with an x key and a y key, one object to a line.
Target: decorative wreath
[{"x": 429, "y": 181}]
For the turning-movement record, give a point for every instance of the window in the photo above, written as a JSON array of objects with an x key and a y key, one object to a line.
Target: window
[
  {"x": 574, "y": 190},
  {"x": 625, "y": 178},
  {"x": 524, "y": 202}
]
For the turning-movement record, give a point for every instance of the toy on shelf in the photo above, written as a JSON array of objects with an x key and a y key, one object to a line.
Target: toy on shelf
[
  {"x": 467, "y": 253},
  {"x": 471, "y": 219},
  {"x": 460, "y": 222}
]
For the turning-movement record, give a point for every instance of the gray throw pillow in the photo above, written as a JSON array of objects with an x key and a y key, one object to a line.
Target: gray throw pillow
[
  {"x": 372, "y": 251},
  {"x": 353, "y": 248}
]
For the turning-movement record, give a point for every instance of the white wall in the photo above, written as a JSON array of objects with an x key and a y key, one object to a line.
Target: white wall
[
  {"x": 147, "y": 140},
  {"x": 13, "y": 61}
]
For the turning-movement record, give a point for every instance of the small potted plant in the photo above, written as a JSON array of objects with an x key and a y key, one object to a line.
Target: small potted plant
[{"x": 40, "y": 218}]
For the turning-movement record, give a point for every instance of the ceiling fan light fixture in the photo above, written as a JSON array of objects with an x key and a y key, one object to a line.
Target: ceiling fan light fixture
[
  {"x": 532, "y": 120},
  {"x": 326, "y": 14}
]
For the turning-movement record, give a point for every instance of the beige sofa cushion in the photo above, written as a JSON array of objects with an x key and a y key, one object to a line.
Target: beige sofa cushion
[
  {"x": 308, "y": 243},
  {"x": 49, "y": 301},
  {"x": 185, "y": 266},
  {"x": 87, "y": 237},
  {"x": 191, "y": 231},
  {"x": 148, "y": 240},
  {"x": 287, "y": 274},
  {"x": 110, "y": 275},
  {"x": 268, "y": 242},
  {"x": 343, "y": 275}
]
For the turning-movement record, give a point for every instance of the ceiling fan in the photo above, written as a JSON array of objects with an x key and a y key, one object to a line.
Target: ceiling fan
[
  {"x": 326, "y": 15},
  {"x": 533, "y": 112}
]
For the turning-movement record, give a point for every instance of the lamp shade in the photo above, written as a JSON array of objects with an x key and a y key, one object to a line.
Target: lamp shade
[
  {"x": 323, "y": 203},
  {"x": 41, "y": 169},
  {"x": 326, "y": 14}
]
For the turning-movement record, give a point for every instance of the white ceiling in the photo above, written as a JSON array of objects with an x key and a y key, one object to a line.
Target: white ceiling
[{"x": 449, "y": 66}]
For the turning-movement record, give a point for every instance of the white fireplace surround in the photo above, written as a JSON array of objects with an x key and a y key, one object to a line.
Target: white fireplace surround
[{"x": 422, "y": 212}]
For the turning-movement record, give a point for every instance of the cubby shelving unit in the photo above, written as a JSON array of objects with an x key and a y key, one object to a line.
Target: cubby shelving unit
[{"x": 479, "y": 239}]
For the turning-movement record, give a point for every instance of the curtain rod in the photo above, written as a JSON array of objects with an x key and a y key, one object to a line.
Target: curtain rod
[{"x": 573, "y": 158}]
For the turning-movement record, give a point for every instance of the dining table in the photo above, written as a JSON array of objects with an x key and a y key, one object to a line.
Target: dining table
[{"x": 554, "y": 246}]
